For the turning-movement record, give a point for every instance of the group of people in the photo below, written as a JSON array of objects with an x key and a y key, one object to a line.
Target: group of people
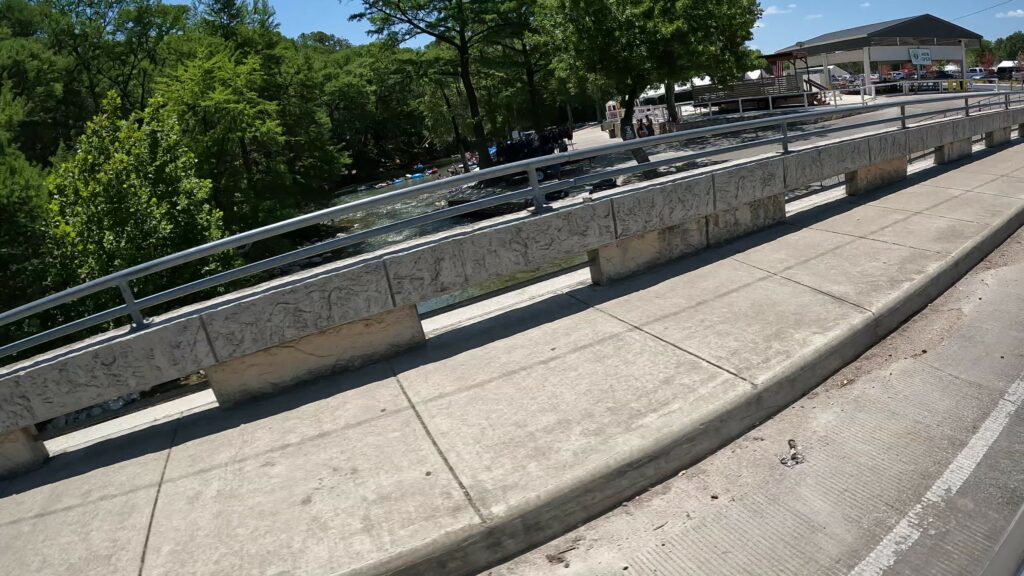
[
  {"x": 645, "y": 127},
  {"x": 534, "y": 144}
]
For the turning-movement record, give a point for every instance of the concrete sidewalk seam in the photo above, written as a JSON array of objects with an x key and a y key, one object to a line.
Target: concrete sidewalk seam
[
  {"x": 660, "y": 339},
  {"x": 889, "y": 242},
  {"x": 156, "y": 497},
  {"x": 433, "y": 441},
  {"x": 818, "y": 290},
  {"x": 867, "y": 203}
]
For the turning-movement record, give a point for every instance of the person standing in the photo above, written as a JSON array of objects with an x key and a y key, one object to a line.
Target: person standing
[{"x": 650, "y": 125}]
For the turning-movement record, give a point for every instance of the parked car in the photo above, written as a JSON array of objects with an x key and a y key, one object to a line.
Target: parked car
[{"x": 897, "y": 75}]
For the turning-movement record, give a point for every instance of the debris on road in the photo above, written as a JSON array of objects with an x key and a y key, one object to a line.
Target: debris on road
[{"x": 794, "y": 457}]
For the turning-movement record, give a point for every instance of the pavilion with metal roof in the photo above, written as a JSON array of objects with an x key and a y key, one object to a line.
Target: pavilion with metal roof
[{"x": 884, "y": 42}]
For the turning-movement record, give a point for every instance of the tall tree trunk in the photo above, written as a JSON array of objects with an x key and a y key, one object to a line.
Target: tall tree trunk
[
  {"x": 639, "y": 154},
  {"x": 459, "y": 140},
  {"x": 474, "y": 109},
  {"x": 531, "y": 89},
  {"x": 670, "y": 101}
]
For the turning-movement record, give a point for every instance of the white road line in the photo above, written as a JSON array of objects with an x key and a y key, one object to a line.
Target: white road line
[{"x": 910, "y": 527}]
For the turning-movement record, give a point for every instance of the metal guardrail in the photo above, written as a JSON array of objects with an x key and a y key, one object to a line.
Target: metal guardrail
[{"x": 536, "y": 192}]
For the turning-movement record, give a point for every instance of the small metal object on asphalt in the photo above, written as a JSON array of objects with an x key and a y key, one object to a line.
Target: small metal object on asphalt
[{"x": 794, "y": 457}]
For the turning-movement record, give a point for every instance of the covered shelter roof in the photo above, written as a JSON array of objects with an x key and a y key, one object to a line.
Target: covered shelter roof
[{"x": 923, "y": 30}]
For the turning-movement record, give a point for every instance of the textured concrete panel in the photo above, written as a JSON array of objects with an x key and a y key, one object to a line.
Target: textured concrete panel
[
  {"x": 131, "y": 362},
  {"x": 284, "y": 314},
  {"x": 492, "y": 253},
  {"x": 663, "y": 205},
  {"x": 336, "y": 349},
  {"x": 953, "y": 151},
  {"x": 962, "y": 128},
  {"x": 930, "y": 136},
  {"x": 803, "y": 167},
  {"x": 748, "y": 182},
  {"x": 997, "y": 137},
  {"x": 335, "y": 475},
  {"x": 876, "y": 176},
  {"x": 631, "y": 255},
  {"x": 733, "y": 223},
  {"x": 841, "y": 158},
  {"x": 885, "y": 147},
  {"x": 20, "y": 451}
]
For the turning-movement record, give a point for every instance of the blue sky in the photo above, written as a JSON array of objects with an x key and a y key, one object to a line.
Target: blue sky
[{"x": 785, "y": 22}]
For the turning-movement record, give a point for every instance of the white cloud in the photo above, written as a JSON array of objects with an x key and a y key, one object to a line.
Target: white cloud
[
  {"x": 773, "y": 9},
  {"x": 1018, "y": 13},
  {"x": 813, "y": 16},
  {"x": 791, "y": 6},
  {"x": 865, "y": 5}
]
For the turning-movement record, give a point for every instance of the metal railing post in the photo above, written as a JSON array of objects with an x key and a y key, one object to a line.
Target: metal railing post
[
  {"x": 1007, "y": 101},
  {"x": 784, "y": 129},
  {"x": 903, "y": 117},
  {"x": 741, "y": 106},
  {"x": 540, "y": 203},
  {"x": 138, "y": 320},
  {"x": 967, "y": 106}
]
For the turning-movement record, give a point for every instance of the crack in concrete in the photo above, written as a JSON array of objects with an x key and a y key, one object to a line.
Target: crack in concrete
[{"x": 156, "y": 498}]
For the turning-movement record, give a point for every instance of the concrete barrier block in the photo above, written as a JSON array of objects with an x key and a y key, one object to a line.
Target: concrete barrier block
[
  {"x": 663, "y": 205},
  {"x": 997, "y": 137},
  {"x": 802, "y": 168},
  {"x": 1005, "y": 119},
  {"x": 281, "y": 314},
  {"x": 336, "y": 349},
  {"x": 629, "y": 256},
  {"x": 921, "y": 138},
  {"x": 962, "y": 128},
  {"x": 1017, "y": 115},
  {"x": 980, "y": 124},
  {"x": 885, "y": 147},
  {"x": 746, "y": 219},
  {"x": 843, "y": 157},
  {"x": 747, "y": 183},
  {"x": 100, "y": 369},
  {"x": 876, "y": 176},
  {"x": 503, "y": 250},
  {"x": 20, "y": 452},
  {"x": 953, "y": 151}
]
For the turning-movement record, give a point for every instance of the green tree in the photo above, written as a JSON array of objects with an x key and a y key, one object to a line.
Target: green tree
[
  {"x": 461, "y": 24},
  {"x": 1010, "y": 47},
  {"x": 23, "y": 204},
  {"x": 129, "y": 194},
  {"x": 234, "y": 134}
]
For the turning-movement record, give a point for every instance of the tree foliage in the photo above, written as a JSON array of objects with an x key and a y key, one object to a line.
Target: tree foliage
[
  {"x": 129, "y": 194},
  {"x": 131, "y": 129}
]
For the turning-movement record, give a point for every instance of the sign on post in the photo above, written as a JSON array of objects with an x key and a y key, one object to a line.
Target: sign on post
[{"x": 921, "y": 56}]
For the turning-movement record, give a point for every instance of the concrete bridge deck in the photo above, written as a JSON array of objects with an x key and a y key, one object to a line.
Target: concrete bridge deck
[{"x": 518, "y": 415}]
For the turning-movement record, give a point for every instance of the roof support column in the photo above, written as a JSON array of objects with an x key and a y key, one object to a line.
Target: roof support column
[
  {"x": 963, "y": 61},
  {"x": 867, "y": 67}
]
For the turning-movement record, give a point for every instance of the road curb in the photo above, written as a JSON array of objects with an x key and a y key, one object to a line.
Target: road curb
[{"x": 558, "y": 510}]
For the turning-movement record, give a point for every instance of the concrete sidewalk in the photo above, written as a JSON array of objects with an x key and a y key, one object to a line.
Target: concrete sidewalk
[
  {"x": 519, "y": 418},
  {"x": 911, "y": 464}
]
